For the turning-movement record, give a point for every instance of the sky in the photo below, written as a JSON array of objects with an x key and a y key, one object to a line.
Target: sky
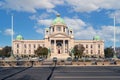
[{"x": 88, "y": 18}]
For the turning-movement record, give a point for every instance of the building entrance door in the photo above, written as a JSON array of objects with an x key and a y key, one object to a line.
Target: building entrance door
[{"x": 59, "y": 47}]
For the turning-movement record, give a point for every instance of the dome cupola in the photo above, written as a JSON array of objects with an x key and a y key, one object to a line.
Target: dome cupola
[
  {"x": 19, "y": 37},
  {"x": 96, "y": 38},
  {"x": 58, "y": 20}
]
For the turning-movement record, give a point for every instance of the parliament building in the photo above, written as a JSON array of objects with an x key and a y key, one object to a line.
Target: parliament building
[{"x": 59, "y": 38}]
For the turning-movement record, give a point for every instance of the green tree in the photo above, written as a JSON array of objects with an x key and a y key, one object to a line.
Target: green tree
[
  {"x": 41, "y": 52},
  {"x": 38, "y": 52},
  {"x": 78, "y": 50},
  {"x": 6, "y": 51},
  {"x": 108, "y": 52}
]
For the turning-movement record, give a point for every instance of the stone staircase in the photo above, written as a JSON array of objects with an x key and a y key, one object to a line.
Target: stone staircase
[{"x": 62, "y": 56}]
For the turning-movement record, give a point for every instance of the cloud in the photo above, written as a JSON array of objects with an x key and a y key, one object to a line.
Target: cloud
[
  {"x": 93, "y": 5},
  {"x": 76, "y": 23},
  {"x": 40, "y": 30},
  {"x": 8, "y": 32},
  {"x": 116, "y": 14},
  {"x": 27, "y": 5}
]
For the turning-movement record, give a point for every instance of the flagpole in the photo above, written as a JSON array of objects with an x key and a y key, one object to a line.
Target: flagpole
[
  {"x": 114, "y": 40},
  {"x": 12, "y": 32}
]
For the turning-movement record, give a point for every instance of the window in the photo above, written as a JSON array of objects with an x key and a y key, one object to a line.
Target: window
[
  {"x": 24, "y": 51},
  {"x": 29, "y": 45},
  {"x": 17, "y": 45},
  {"x": 98, "y": 45},
  {"x": 24, "y": 45},
  {"x": 91, "y": 51},
  {"x": 64, "y": 30},
  {"x": 17, "y": 51},
  {"x": 34, "y": 46},
  {"x": 86, "y": 46},
  {"x": 98, "y": 51},
  {"x": 58, "y": 28},
  {"x": 53, "y": 29},
  {"x": 91, "y": 46},
  {"x": 29, "y": 51},
  {"x": 87, "y": 51}
]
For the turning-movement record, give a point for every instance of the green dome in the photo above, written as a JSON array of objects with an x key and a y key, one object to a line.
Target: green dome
[
  {"x": 58, "y": 19},
  {"x": 19, "y": 37},
  {"x": 96, "y": 38}
]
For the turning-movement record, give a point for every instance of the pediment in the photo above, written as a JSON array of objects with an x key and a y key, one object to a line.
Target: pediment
[{"x": 59, "y": 35}]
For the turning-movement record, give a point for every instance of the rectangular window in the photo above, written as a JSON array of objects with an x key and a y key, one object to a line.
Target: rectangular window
[
  {"x": 87, "y": 51},
  {"x": 98, "y": 51},
  {"x": 34, "y": 46},
  {"x": 17, "y": 45},
  {"x": 24, "y": 45},
  {"x": 86, "y": 46},
  {"x": 58, "y": 28},
  {"x": 98, "y": 45},
  {"x": 91, "y": 51},
  {"x": 29, "y": 45},
  {"x": 91, "y": 46}
]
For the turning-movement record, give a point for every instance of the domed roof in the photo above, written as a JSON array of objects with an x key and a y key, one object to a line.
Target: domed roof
[
  {"x": 96, "y": 38},
  {"x": 19, "y": 37},
  {"x": 58, "y": 19}
]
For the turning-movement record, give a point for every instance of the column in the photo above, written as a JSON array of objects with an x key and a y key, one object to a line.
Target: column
[
  {"x": 54, "y": 46},
  {"x": 63, "y": 46}
]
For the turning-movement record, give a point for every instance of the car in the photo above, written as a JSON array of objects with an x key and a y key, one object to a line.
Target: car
[
  {"x": 113, "y": 62},
  {"x": 41, "y": 59},
  {"x": 94, "y": 63},
  {"x": 54, "y": 59},
  {"x": 68, "y": 61}
]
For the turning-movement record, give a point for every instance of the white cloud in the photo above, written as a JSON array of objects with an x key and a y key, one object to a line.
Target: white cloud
[
  {"x": 93, "y": 5},
  {"x": 76, "y": 24},
  {"x": 45, "y": 22},
  {"x": 116, "y": 14},
  {"x": 40, "y": 30},
  {"x": 8, "y": 32},
  {"x": 27, "y": 5}
]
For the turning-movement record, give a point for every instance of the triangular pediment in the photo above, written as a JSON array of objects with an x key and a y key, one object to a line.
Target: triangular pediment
[{"x": 59, "y": 35}]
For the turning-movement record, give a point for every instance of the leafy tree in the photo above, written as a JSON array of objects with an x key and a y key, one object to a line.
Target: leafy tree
[
  {"x": 41, "y": 52},
  {"x": 108, "y": 52},
  {"x": 38, "y": 51},
  {"x": 78, "y": 50},
  {"x": 5, "y": 51}
]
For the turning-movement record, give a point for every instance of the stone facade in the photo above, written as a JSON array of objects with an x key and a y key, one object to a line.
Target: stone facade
[{"x": 60, "y": 40}]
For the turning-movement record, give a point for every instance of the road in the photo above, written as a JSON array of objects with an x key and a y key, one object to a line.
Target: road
[{"x": 61, "y": 73}]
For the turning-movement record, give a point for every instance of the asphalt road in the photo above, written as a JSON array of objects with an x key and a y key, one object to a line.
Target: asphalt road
[{"x": 61, "y": 73}]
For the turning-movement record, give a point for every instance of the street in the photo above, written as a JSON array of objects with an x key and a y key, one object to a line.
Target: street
[{"x": 50, "y": 72}]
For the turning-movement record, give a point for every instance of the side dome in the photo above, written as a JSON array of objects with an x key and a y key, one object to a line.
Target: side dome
[
  {"x": 19, "y": 37},
  {"x": 96, "y": 38},
  {"x": 58, "y": 19}
]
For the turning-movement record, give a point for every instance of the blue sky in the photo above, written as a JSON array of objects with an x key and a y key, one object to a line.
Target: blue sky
[{"x": 87, "y": 18}]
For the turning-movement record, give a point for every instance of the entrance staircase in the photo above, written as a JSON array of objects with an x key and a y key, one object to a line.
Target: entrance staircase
[{"x": 62, "y": 56}]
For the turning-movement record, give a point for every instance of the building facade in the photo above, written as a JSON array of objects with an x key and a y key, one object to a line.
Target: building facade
[{"x": 60, "y": 40}]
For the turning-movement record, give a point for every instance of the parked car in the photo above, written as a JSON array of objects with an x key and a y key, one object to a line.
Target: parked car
[
  {"x": 54, "y": 59},
  {"x": 68, "y": 61},
  {"x": 113, "y": 62},
  {"x": 94, "y": 63}
]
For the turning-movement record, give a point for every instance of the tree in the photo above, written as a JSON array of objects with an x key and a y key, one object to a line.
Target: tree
[
  {"x": 108, "y": 52},
  {"x": 78, "y": 50},
  {"x": 38, "y": 51},
  {"x": 5, "y": 51},
  {"x": 41, "y": 52}
]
